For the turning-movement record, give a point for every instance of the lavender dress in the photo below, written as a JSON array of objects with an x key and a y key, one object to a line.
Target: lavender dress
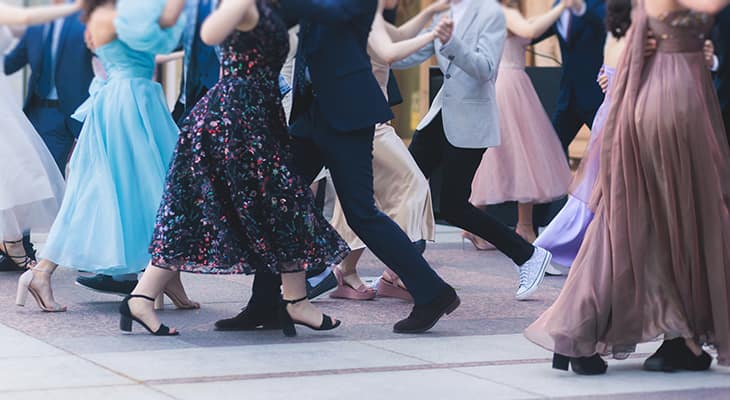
[{"x": 564, "y": 235}]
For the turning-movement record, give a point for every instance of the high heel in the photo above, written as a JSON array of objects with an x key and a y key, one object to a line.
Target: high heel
[
  {"x": 25, "y": 286},
  {"x": 479, "y": 243},
  {"x": 346, "y": 291},
  {"x": 593, "y": 365},
  {"x": 22, "y": 262},
  {"x": 288, "y": 323},
  {"x": 125, "y": 322}
]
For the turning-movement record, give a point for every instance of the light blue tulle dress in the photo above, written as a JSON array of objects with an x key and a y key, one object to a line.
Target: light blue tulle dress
[{"x": 119, "y": 165}]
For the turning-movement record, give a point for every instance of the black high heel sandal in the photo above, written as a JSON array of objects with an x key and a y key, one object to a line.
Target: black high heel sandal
[
  {"x": 288, "y": 323},
  {"x": 125, "y": 323},
  {"x": 593, "y": 365},
  {"x": 22, "y": 262}
]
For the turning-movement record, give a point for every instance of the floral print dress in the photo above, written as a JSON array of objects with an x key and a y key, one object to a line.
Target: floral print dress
[{"x": 231, "y": 204}]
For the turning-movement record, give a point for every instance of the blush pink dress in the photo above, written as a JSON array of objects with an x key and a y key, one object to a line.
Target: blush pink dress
[
  {"x": 530, "y": 165},
  {"x": 655, "y": 261}
]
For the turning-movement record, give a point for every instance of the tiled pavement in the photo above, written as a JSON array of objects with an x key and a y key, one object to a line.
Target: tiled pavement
[{"x": 477, "y": 353}]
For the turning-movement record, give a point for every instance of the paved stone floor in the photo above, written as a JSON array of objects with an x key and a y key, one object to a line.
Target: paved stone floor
[{"x": 476, "y": 353}]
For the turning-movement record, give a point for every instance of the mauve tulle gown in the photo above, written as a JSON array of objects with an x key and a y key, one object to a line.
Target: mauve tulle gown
[
  {"x": 655, "y": 261},
  {"x": 564, "y": 235},
  {"x": 529, "y": 166}
]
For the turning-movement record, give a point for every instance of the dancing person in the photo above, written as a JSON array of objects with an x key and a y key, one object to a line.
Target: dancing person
[
  {"x": 463, "y": 122},
  {"x": 200, "y": 73},
  {"x": 654, "y": 260},
  {"x": 401, "y": 191},
  {"x": 335, "y": 128},
  {"x": 564, "y": 235},
  {"x": 121, "y": 158},
  {"x": 232, "y": 204},
  {"x": 581, "y": 34},
  {"x": 32, "y": 183},
  {"x": 528, "y": 166},
  {"x": 59, "y": 81}
]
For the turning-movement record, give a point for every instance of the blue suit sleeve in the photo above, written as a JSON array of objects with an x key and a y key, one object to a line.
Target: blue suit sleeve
[
  {"x": 327, "y": 11},
  {"x": 596, "y": 15},
  {"x": 18, "y": 57}
]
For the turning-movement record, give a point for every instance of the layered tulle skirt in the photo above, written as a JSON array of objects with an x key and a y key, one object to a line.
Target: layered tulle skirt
[
  {"x": 31, "y": 186},
  {"x": 117, "y": 173},
  {"x": 530, "y": 165}
]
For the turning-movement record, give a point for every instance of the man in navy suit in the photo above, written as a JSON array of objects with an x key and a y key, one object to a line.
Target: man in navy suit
[
  {"x": 337, "y": 103},
  {"x": 59, "y": 82},
  {"x": 582, "y": 35},
  {"x": 721, "y": 39}
]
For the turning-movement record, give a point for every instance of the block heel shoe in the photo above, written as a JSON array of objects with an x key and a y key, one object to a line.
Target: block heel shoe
[
  {"x": 288, "y": 324},
  {"x": 125, "y": 323},
  {"x": 593, "y": 365}
]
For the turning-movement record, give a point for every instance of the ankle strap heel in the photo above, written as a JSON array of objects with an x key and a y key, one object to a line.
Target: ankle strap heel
[{"x": 125, "y": 322}]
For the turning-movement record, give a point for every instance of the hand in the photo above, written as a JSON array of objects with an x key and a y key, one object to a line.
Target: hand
[
  {"x": 444, "y": 29},
  {"x": 568, "y": 4},
  {"x": 603, "y": 81},
  {"x": 439, "y": 6},
  {"x": 575, "y": 5},
  {"x": 651, "y": 44},
  {"x": 709, "y": 51}
]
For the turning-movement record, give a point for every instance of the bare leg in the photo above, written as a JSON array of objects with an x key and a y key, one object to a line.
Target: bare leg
[
  {"x": 293, "y": 288},
  {"x": 153, "y": 283},
  {"x": 41, "y": 283},
  {"x": 349, "y": 269},
  {"x": 524, "y": 222}
]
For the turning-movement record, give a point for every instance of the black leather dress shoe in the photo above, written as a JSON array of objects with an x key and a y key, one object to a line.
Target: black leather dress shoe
[
  {"x": 420, "y": 246},
  {"x": 425, "y": 316},
  {"x": 248, "y": 320},
  {"x": 324, "y": 286},
  {"x": 674, "y": 355},
  {"x": 106, "y": 284}
]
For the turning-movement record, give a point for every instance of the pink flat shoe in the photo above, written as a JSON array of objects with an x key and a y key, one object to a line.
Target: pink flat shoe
[
  {"x": 345, "y": 291},
  {"x": 388, "y": 288}
]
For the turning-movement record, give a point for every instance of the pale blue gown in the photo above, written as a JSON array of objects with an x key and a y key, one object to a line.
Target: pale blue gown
[{"x": 121, "y": 159}]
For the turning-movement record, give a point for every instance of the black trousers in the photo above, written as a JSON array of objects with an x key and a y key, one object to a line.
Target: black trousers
[
  {"x": 569, "y": 118},
  {"x": 349, "y": 158},
  {"x": 430, "y": 148}
]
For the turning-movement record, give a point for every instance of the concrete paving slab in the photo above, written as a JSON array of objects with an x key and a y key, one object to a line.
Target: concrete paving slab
[{"x": 421, "y": 385}]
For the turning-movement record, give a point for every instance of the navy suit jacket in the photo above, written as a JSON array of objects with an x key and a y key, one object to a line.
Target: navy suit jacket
[
  {"x": 582, "y": 55},
  {"x": 721, "y": 39},
  {"x": 73, "y": 63},
  {"x": 335, "y": 48}
]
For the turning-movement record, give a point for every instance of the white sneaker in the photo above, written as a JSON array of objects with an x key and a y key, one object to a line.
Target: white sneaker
[
  {"x": 552, "y": 270},
  {"x": 532, "y": 272}
]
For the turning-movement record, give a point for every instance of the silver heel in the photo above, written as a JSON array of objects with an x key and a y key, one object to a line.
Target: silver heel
[{"x": 23, "y": 288}]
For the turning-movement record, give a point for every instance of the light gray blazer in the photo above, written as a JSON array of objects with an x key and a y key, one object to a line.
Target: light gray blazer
[{"x": 469, "y": 62}]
